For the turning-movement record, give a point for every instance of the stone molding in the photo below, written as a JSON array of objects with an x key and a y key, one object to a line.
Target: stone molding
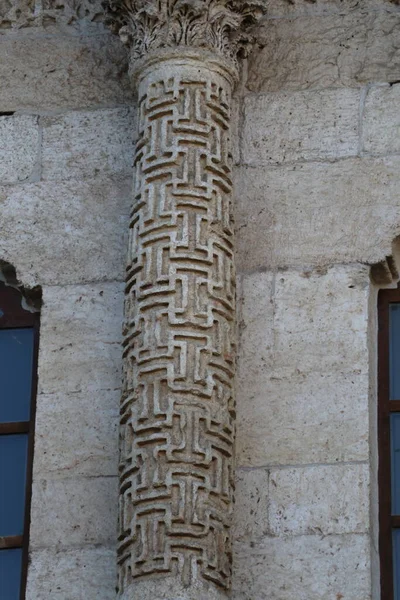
[{"x": 220, "y": 26}]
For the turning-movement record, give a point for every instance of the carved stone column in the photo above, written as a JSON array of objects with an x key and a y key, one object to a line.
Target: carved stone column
[{"x": 178, "y": 408}]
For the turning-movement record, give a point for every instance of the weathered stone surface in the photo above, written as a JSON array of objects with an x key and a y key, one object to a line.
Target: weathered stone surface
[
  {"x": 60, "y": 233},
  {"x": 219, "y": 26},
  {"x": 306, "y": 568},
  {"x": 73, "y": 512},
  {"x": 317, "y": 52},
  {"x": 86, "y": 144},
  {"x": 79, "y": 14},
  {"x": 306, "y": 399},
  {"x": 311, "y": 214},
  {"x": 321, "y": 321},
  {"x": 80, "y": 338},
  {"x": 285, "y": 127},
  {"x": 251, "y": 504},
  {"x": 77, "y": 434},
  {"x": 171, "y": 587},
  {"x": 51, "y": 72},
  {"x": 381, "y": 122},
  {"x": 256, "y": 318},
  {"x": 77, "y": 574},
  {"x": 319, "y": 499},
  {"x": 303, "y": 419},
  {"x": 19, "y": 148},
  {"x": 294, "y": 8}
]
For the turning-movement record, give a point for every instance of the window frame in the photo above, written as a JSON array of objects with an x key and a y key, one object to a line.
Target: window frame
[{"x": 16, "y": 317}]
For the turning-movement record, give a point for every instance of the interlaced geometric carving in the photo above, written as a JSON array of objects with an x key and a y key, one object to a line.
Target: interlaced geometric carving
[{"x": 178, "y": 412}]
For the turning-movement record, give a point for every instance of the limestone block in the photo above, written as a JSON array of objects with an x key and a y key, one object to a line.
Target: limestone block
[
  {"x": 60, "y": 233},
  {"x": 80, "y": 338},
  {"x": 317, "y": 213},
  {"x": 303, "y": 419},
  {"x": 321, "y": 321},
  {"x": 51, "y": 72},
  {"x": 251, "y": 504},
  {"x": 286, "y": 127},
  {"x": 78, "y": 574},
  {"x": 306, "y": 399},
  {"x": 381, "y": 122},
  {"x": 19, "y": 148},
  {"x": 305, "y": 567},
  {"x": 319, "y": 499},
  {"x": 255, "y": 315},
  {"x": 76, "y": 434},
  {"x": 84, "y": 144},
  {"x": 332, "y": 51},
  {"x": 73, "y": 512}
]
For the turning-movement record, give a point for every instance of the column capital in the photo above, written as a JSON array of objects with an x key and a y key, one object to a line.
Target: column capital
[{"x": 220, "y": 26}]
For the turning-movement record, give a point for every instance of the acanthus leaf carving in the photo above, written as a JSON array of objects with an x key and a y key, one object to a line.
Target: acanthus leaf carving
[{"x": 223, "y": 26}]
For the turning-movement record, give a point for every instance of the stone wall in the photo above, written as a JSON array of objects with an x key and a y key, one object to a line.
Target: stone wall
[
  {"x": 66, "y": 153},
  {"x": 317, "y": 187},
  {"x": 317, "y": 202}
]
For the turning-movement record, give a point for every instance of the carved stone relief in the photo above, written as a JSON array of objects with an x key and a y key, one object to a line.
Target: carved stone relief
[
  {"x": 178, "y": 407},
  {"x": 222, "y": 26},
  {"x": 178, "y": 411}
]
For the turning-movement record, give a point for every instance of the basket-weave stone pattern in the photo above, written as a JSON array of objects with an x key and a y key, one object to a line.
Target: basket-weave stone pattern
[{"x": 177, "y": 415}]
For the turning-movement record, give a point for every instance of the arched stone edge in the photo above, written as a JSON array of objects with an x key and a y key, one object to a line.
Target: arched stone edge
[{"x": 31, "y": 297}]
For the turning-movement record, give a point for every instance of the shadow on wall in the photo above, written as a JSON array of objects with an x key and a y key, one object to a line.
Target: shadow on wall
[{"x": 387, "y": 272}]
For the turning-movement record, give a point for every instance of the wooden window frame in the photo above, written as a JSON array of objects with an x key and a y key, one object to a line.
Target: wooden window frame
[{"x": 15, "y": 316}]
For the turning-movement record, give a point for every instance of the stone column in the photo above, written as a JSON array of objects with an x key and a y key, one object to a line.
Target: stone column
[{"x": 178, "y": 408}]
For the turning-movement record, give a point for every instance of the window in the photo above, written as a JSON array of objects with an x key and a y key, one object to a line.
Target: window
[{"x": 19, "y": 332}]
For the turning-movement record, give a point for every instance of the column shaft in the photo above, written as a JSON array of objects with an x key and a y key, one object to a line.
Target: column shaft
[{"x": 178, "y": 410}]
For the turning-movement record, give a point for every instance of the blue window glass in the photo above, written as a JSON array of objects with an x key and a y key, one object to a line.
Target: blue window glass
[
  {"x": 13, "y": 459},
  {"x": 394, "y": 344},
  {"x": 10, "y": 573},
  {"x": 16, "y": 359},
  {"x": 395, "y": 461}
]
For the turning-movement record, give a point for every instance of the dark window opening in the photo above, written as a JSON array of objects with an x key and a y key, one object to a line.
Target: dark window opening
[{"x": 19, "y": 340}]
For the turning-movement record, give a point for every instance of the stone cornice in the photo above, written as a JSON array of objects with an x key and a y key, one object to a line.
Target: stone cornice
[{"x": 220, "y": 26}]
